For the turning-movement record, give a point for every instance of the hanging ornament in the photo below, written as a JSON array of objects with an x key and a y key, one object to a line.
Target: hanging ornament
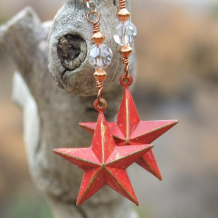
[
  {"x": 129, "y": 129},
  {"x": 103, "y": 163}
]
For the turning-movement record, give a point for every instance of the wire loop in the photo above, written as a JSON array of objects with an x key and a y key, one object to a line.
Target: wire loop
[
  {"x": 100, "y": 104},
  {"x": 126, "y": 80},
  {"x": 89, "y": 19}
]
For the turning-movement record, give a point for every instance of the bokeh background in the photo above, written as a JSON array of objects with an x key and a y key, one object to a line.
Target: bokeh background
[{"x": 177, "y": 49}]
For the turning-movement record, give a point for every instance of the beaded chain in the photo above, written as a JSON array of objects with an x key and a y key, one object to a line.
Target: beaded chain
[
  {"x": 125, "y": 34},
  {"x": 99, "y": 56}
]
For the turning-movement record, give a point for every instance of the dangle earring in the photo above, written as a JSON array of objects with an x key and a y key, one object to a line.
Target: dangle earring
[
  {"x": 129, "y": 129},
  {"x": 103, "y": 163}
]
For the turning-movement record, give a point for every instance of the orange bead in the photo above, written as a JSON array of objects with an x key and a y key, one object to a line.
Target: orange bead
[
  {"x": 123, "y": 14},
  {"x": 100, "y": 75},
  {"x": 98, "y": 38},
  {"x": 126, "y": 51}
]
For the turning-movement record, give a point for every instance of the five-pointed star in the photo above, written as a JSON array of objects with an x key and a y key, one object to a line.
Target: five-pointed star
[
  {"x": 104, "y": 163},
  {"x": 129, "y": 129}
]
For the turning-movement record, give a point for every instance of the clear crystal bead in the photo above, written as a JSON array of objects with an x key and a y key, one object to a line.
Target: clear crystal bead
[
  {"x": 124, "y": 33},
  {"x": 100, "y": 56}
]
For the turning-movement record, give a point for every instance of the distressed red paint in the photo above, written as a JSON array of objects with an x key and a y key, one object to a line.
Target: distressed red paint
[
  {"x": 104, "y": 163},
  {"x": 129, "y": 130}
]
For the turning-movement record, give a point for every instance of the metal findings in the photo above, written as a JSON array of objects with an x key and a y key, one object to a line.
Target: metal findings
[
  {"x": 124, "y": 35},
  {"x": 100, "y": 104},
  {"x": 126, "y": 51},
  {"x": 98, "y": 38},
  {"x": 100, "y": 55},
  {"x": 122, "y": 4},
  {"x": 126, "y": 80},
  {"x": 90, "y": 18},
  {"x": 123, "y": 14}
]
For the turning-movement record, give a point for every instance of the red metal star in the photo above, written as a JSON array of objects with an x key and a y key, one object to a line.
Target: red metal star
[
  {"x": 129, "y": 129},
  {"x": 104, "y": 163}
]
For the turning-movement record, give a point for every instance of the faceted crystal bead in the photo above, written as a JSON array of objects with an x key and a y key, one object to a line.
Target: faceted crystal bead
[
  {"x": 100, "y": 56},
  {"x": 124, "y": 33}
]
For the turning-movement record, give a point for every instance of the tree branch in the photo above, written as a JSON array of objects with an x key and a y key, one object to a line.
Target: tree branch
[{"x": 51, "y": 115}]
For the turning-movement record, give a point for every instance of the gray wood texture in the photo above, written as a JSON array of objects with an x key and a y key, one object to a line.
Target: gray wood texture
[{"x": 54, "y": 107}]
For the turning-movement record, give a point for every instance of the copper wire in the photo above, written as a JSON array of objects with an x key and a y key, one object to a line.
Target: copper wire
[
  {"x": 99, "y": 86},
  {"x": 126, "y": 70},
  {"x": 91, "y": 13},
  {"x": 96, "y": 28},
  {"x": 126, "y": 60},
  {"x": 100, "y": 103},
  {"x": 122, "y": 4}
]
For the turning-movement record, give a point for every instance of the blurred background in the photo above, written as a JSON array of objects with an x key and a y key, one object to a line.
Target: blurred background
[{"x": 177, "y": 49}]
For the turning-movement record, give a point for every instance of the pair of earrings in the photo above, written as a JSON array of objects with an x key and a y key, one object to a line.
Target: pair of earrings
[{"x": 117, "y": 145}]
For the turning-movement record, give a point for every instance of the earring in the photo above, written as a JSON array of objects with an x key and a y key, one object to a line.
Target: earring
[
  {"x": 129, "y": 129},
  {"x": 103, "y": 163}
]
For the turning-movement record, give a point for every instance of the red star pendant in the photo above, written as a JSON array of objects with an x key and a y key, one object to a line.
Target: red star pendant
[
  {"x": 104, "y": 163},
  {"x": 129, "y": 129}
]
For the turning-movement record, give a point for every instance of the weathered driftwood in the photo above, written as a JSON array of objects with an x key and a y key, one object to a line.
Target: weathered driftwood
[{"x": 51, "y": 115}]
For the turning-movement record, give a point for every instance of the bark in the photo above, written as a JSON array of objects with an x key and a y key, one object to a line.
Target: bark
[{"x": 51, "y": 114}]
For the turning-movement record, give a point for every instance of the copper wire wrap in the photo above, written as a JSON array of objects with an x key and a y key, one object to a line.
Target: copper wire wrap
[
  {"x": 126, "y": 78},
  {"x": 126, "y": 70},
  {"x": 93, "y": 22},
  {"x": 122, "y": 4},
  {"x": 100, "y": 87},
  {"x": 126, "y": 61},
  {"x": 96, "y": 28},
  {"x": 100, "y": 104}
]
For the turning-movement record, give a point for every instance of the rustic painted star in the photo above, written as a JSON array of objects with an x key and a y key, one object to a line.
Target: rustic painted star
[
  {"x": 129, "y": 129},
  {"x": 104, "y": 163}
]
